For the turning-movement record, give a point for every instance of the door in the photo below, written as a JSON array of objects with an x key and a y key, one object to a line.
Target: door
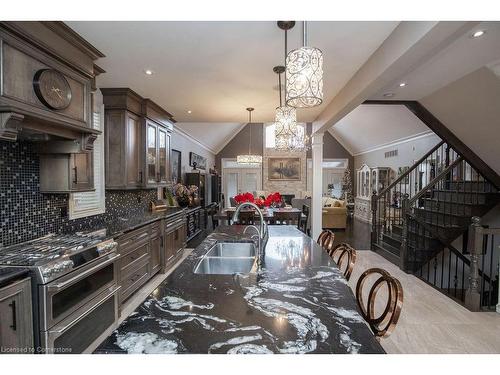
[
  {"x": 16, "y": 327},
  {"x": 163, "y": 155},
  {"x": 151, "y": 153},
  {"x": 241, "y": 180},
  {"x": 82, "y": 171},
  {"x": 133, "y": 171}
]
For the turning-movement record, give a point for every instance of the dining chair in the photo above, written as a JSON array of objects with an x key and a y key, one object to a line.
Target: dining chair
[
  {"x": 384, "y": 324},
  {"x": 246, "y": 218},
  {"x": 325, "y": 239},
  {"x": 344, "y": 254},
  {"x": 305, "y": 220},
  {"x": 287, "y": 218},
  {"x": 229, "y": 216}
]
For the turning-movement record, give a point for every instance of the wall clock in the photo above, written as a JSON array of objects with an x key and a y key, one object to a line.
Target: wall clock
[{"x": 52, "y": 88}]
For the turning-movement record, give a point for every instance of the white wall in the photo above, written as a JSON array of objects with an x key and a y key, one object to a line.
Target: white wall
[
  {"x": 470, "y": 108},
  {"x": 408, "y": 152},
  {"x": 185, "y": 145}
]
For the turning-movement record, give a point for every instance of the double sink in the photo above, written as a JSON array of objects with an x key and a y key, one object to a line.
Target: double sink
[{"x": 227, "y": 258}]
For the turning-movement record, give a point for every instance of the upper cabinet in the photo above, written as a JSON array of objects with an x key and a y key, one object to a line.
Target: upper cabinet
[{"x": 137, "y": 141}]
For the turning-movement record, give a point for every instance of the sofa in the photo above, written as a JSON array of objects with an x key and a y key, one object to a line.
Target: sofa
[{"x": 334, "y": 213}]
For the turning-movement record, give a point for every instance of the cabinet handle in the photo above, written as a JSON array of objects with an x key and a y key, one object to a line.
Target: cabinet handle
[
  {"x": 140, "y": 177},
  {"x": 14, "y": 315},
  {"x": 75, "y": 180},
  {"x": 158, "y": 176}
]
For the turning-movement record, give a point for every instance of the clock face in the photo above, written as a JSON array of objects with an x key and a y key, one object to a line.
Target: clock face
[{"x": 52, "y": 88}]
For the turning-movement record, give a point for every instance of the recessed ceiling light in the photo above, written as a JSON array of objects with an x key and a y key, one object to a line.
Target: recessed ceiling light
[
  {"x": 402, "y": 84},
  {"x": 389, "y": 94},
  {"x": 148, "y": 72},
  {"x": 190, "y": 111},
  {"x": 478, "y": 33}
]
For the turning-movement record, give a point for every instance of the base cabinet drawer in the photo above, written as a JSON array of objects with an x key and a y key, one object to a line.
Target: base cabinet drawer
[
  {"x": 134, "y": 280},
  {"x": 128, "y": 260}
]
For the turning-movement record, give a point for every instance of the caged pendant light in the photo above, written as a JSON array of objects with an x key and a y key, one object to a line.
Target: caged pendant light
[
  {"x": 249, "y": 159},
  {"x": 285, "y": 125},
  {"x": 304, "y": 75}
]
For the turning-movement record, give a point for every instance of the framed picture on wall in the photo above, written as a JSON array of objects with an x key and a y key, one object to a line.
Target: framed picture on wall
[
  {"x": 284, "y": 169},
  {"x": 175, "y": 166},
  {"x": 201, "y": 162}
]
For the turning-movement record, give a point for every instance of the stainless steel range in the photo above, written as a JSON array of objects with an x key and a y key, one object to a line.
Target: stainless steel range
[{"x": 74, "y": 282}]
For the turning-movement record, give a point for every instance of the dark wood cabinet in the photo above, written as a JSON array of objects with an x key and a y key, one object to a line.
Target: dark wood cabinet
[
  {"x": 66, "y": 173},
  {"x": 200, "y": 181},
  {"x": 156, "y": 247},
  {"x": 137, "y": 141},
  {"x": 195, "y": 222},
  {"x": 16, "y": 322}
]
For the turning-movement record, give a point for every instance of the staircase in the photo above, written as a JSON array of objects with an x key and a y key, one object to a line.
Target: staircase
[{"x": 417, "y": 220}]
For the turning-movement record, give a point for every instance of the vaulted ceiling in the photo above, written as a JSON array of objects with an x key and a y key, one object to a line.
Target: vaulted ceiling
[{"x": 217, "y": 69}]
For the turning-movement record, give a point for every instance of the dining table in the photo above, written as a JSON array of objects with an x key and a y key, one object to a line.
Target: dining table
[{"x": 268, "y": 212}]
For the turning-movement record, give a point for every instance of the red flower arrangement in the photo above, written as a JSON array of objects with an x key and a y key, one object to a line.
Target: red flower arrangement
[{"x": 272, "y": 200}]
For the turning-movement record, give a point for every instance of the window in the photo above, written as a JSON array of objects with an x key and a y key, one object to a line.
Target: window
[
  {"x": 92, "y": 202},
  {"x": 270, "y": 138}
]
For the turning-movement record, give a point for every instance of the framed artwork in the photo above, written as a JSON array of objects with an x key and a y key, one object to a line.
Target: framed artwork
[
  {"x": 175, "y": 166},
  {"x": 284, "y": 169},
  {"x": 201, "y": 162}
]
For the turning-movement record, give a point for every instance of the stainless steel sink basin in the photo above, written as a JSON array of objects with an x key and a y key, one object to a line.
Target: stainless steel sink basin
[
  {"x": 224, "y": 266},
  {"x": 232, "y": 249},
  {"x": 227, "y": 258}
]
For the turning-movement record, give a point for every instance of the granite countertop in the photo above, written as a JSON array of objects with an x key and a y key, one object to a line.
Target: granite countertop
[
  {"x": 297, "y": 302},
  {"x": 10, "y": 274},
  {"x": 119, "y": 225}
]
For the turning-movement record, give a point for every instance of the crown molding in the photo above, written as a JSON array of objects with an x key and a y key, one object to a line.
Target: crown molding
[{"x": 396, "y": 142}]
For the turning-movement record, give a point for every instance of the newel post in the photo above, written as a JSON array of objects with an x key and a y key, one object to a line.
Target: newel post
[
  {"x": 404, "y": 235},
  {"x": 475, "y": 245},
  {"x": 374, "y": 207}
]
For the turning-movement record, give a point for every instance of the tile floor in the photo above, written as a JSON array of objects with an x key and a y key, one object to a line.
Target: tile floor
[{"x": 430, "y": 322}]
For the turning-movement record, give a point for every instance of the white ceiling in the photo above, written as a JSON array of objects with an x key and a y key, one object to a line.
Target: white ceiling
[
  {"x": 217, "y": 69},
  {"x": 459, "y": 58},
  {"x": 370, "y": 126},
  {"x": 213, "y": 136}
]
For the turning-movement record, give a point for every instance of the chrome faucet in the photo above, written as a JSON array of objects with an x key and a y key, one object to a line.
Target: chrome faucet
[{"x": 263, "y": 225}]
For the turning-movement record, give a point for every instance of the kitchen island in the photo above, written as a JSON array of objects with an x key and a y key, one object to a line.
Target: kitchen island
[{"x": 296, "y": 302}]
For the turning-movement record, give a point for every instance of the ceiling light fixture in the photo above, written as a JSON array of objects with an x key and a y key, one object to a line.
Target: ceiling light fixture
[
  {"x": 249, "y": 159},
  {"x": 190, "y": 111},
  {"x": 304, "y": 75},
  {"x": 402, "y": 84},
  {"x": 148, "y": 72},
  {"x": 478, "y": 33},
  {"x": 389, "y": 94}
]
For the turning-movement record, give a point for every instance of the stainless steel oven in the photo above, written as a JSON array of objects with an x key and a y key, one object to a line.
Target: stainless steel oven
[
  {"x": 75, "y": 333},
  {"x": 62, "y": 297}
]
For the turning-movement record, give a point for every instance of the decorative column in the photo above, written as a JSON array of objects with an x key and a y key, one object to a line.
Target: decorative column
[
  {"x": 475, "y": 247},
  {"x": 317, "y": 185}
]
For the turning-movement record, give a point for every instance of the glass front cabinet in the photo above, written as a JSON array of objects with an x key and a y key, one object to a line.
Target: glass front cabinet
[
  {"x": 157, "y": 154},
  {"x": 368, "y": 180}
]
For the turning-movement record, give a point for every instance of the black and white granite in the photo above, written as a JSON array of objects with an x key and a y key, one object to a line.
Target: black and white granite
[{"x": 297, "y": 302}]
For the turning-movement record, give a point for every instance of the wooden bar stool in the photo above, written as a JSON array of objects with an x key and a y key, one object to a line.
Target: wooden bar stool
[
  {"x": 384, "y": 324},
  {"x": 344, "y": 254}
]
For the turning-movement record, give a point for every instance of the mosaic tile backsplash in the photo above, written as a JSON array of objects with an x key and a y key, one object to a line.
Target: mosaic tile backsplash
[{"x": 25, "y": 213}]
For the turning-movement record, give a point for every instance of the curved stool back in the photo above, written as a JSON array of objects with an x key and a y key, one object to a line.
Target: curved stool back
[
  {"x": 384, "y": 324},
  {"x": 325, "y": 239},
  {"x": 344, "y": 254}
]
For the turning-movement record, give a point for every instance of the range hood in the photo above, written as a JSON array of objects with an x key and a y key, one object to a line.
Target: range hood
[{"x": 47, "y": 79}]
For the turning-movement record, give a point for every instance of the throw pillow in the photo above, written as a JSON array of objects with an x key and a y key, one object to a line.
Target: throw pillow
[{"x": 336, "y": 204}]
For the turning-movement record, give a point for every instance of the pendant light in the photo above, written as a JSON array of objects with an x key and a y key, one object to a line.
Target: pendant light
[
  {"x": 304, "y": 75},
  {"x": 285, "y": 125},
  {"x": 249, "y": 159}
]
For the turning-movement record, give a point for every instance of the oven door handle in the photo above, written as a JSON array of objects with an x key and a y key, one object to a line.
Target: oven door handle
[
  {"x": 60, "y": 286},
  {"x": 80, "y": 317}
]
